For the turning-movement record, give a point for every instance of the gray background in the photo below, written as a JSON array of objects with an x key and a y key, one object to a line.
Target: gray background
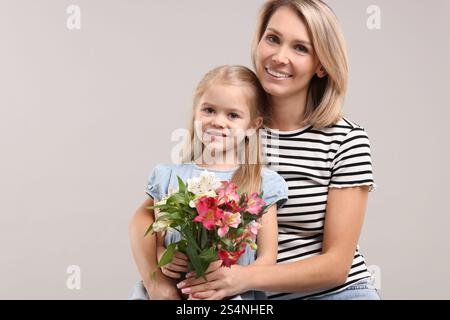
[{"x": 86, "y": 114}]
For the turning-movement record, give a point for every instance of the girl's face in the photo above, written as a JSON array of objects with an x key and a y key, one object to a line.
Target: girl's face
[
  {"x": 285, "y": 59},
  {"x": 223, "y": 115}
]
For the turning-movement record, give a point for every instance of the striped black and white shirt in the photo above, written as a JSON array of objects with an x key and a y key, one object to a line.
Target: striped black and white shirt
[{"x": 312, "y": 161}]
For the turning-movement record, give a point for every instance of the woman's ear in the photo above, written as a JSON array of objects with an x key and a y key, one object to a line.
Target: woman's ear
[{"x": 321, "y": 72}]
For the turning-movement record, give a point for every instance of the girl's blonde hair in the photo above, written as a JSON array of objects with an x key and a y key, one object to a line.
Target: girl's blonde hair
[
  {"x": 325, "y": 95},
  {"x": 248, "y": 176}
]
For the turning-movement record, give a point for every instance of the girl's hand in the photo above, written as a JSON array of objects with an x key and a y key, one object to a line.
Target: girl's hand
[
  {"x": 178, "y": 265},
  {"x": 162, "y": 288},
  {"x": 222, "y": 283},
  {"x": 211, "y": 268}
]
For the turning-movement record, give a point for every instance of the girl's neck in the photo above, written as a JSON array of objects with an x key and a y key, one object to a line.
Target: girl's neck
[
  {"x": 287, "y": 114},
  {"x": 217, "y": 163}
]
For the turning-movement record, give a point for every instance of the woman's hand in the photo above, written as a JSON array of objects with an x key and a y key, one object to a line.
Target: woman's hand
[
  {"x": 222, "y": 282},
  {"x": 178, "y": 265}
]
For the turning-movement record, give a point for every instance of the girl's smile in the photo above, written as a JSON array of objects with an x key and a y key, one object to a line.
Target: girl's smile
[{"x": 223, "y": 113}]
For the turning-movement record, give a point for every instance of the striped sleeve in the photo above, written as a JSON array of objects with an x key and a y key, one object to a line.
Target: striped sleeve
[{"x": 352, "y": 164}]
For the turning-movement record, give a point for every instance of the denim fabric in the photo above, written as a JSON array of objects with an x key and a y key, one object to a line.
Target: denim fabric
[
  {"x": 164, "y": 177},
  {"x": 360, "y": 290}
]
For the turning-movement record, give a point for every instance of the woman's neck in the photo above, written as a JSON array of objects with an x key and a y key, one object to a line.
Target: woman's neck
[{"x": 287, "y": 114}]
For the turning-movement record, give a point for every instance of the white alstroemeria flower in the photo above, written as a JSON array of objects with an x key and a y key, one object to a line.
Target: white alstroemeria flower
[
  {"x": 205, "y": 184},
  {"x": 161, "y": 225},
  {"x": 192, "y": 203}
]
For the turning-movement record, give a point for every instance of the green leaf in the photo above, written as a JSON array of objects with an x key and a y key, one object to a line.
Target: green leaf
[
  {"x": 188, "y": 233},
  {"x": 199, "y": 268},
  {"x": 178, "y": 198},
  {"x": 149, "y": 230},
  {"x": 177, "y": 215},
  {"x": 241, "y": 200},
  {"x": 181, "y": 186},
  {"x": 167, "y": 255},
  {"x": 209, "y": 254},
  {"x": 226, "y": 242},
  {"x": 204, "y": 238},
  {"x": 182, "y": 246}
]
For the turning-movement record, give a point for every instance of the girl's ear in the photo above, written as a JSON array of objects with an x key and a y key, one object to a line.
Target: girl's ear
[
  {"x": 321, "y": 72},
  {"x": 259, "y": 122},
  {"x": 256, "y": 125}
]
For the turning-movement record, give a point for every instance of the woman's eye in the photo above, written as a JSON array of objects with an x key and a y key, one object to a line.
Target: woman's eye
[
  {"x": 272, "y": 39},
  {"x": 301, "y": 48}
]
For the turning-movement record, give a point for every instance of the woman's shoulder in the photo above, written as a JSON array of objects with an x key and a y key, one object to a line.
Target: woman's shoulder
[
  {"x": 343, "y": 128},
  {"x": 344, "y": 124}
]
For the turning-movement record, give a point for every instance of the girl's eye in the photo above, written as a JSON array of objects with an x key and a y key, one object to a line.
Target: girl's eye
[
  {"x": 234, "y": 115},
  {"x": 208, "y": 110},
  {"x": 301, "y": 48},
  {"x": 272, "y": 38}
]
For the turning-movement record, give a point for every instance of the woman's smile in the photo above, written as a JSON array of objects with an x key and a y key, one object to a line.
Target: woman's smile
[{"x": 277, "y": 75}]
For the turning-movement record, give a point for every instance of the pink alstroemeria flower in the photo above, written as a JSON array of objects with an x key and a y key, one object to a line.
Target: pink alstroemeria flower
[
  {"x": 227, "y": 193},
  {"x": 253, "y": 227},
  {"x": 208, "y": 212},
  {"x": 229, "y": 219},
  {"x": 229, "y": 258},
  {"x": 254, "y": 204}
]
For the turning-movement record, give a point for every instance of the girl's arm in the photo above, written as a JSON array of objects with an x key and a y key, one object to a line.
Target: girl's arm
[
  {"x": 179, "y": 262},
  {"x": 144, "y": 253},
  {"x": 344, "y": 220},
  {"x": 268, "y": 238}
]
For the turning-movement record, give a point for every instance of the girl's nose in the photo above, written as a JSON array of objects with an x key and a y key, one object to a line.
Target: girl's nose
[{"x": 218, "y": 121}]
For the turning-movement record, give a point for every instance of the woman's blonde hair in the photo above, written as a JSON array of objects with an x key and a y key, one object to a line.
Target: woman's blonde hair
[
  {"x": 325, "y": 95},
  {"x": 248, "y": 176}
]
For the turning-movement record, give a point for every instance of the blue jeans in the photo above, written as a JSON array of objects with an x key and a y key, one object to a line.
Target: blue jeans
[{"x": 360, "y": 290}]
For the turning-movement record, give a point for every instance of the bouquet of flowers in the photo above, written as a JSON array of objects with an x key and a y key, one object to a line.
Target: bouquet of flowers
[{"x": 215, "y": 221}]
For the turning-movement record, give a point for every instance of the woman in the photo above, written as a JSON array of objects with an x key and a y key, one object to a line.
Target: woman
[{"x": 300, "y": 59}]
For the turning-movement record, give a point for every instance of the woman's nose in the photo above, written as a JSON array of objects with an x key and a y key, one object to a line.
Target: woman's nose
[{"x": 280, "y": 56}]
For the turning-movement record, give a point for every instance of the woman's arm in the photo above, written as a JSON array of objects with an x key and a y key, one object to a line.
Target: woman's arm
[
  {"x": 144, "y": 253},
  {"x": 268, "y": 238},
  {"x": 343, "y": 223}
]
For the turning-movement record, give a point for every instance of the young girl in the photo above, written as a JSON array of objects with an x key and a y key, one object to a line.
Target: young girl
[{"x": 228, "y": 108}]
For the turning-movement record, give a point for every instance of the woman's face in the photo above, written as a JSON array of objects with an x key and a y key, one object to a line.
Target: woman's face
[{"x": 285, "y": 59}]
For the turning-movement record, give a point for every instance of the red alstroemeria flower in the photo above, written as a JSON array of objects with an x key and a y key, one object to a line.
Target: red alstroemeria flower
[
  {"x": 208, "y": 212},
  {"x": 229, "y": 258},
  {"x": 254, "y": 204},
  {"x": 232, "y": 206}
]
